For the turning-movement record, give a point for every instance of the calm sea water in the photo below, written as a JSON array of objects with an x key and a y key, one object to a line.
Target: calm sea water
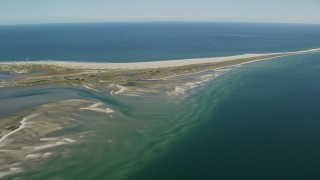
[
  {"x": 265, "y": 126},
  {"x": 256, "y": 121},
  {"x": 127, "y": 42}
]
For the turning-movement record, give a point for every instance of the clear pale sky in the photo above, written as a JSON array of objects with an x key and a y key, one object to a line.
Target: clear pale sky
[{"x": 51, "y": 11}]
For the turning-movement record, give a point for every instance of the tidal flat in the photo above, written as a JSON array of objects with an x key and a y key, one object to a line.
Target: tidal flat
[{"x": 56, "y": 105}]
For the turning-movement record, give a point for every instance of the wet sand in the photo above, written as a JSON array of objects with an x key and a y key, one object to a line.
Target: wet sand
[{"x": 31, "y": 135}]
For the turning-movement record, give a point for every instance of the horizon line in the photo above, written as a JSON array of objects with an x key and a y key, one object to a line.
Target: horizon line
[{"x": 159, "y": 21}]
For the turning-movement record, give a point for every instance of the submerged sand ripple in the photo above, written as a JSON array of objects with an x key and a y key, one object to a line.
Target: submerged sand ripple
[{"x": 31, "y": 138}]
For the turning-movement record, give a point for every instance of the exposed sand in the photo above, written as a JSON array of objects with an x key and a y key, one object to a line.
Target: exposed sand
[
  {"x": 33, "y": 134},
  {"x": 154, "y": 64},
  {"x": 92, "y": 75}
]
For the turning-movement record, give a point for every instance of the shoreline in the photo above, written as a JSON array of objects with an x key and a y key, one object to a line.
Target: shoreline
[
  {"x": 96, "y": 74},
  {"x": 105, "y": 77},
  {"x": 153, "y": 64}
]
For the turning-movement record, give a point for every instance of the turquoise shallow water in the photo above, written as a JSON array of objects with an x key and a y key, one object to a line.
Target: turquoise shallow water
[
  {"x": 256, "y": 121},
  {"x": 142, "y": 129}
]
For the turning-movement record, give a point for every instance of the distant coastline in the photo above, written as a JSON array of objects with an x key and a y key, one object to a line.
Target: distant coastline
[
  {"x": 156, "y": 64},
  {"x": 93, "y": 74}
]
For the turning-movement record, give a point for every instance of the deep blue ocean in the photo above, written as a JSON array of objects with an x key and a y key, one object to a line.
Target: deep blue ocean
[{"x": 128, "y": 42}]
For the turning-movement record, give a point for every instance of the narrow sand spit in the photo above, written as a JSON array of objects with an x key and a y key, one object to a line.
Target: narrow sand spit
[{"x": 155, "y": 64}]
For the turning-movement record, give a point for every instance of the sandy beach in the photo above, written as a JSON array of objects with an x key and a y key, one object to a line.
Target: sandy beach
[
  {"x": 32, "y": 73},
  {"x": 127, "y": 79},
  {"x": 155, "y": 64}
]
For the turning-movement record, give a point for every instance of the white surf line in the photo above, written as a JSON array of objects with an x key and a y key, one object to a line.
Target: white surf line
[
  {"x": 182, "y": 89},
  {"x": 236, "y": 65},
  {"x": 23, "y": 124}
]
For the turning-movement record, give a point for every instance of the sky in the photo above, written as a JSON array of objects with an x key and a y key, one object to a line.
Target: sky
[{"x": 55, "y": 11}]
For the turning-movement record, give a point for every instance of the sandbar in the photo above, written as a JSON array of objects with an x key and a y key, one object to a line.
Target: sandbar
[{"x": 93, "y": 73}]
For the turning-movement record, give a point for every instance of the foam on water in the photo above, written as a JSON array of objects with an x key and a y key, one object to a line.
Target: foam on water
[{"x": 202, "y": 80}]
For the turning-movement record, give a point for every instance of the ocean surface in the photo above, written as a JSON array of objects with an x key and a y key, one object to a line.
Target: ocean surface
[
  {"x": 133, "y": 42},
  {"x": 255, "y": 121},
  {"x": 264, "y": 125}
]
